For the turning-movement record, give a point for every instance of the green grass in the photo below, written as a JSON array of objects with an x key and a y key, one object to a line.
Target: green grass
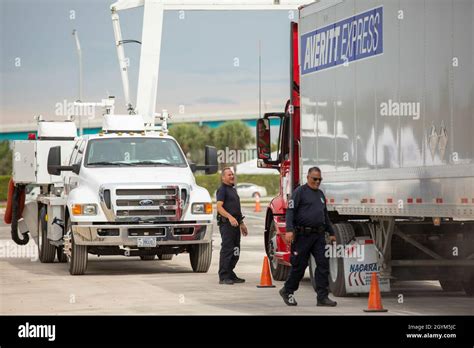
[{"x": 4, "y": 179}]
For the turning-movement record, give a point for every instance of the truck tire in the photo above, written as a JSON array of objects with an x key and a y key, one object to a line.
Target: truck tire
[
  {"x": 468, "y": 286},
  {"x": 77, "y": 256},
  {"x": 147, "y": 257},
  {"x": 451, "y": 285},
  {"x": 344, "y": 234},
  {"x": 200, "y": 256},
  {"x": 46, "y": 251},
  {"x": 279, "y": 272},
  {"x": 62, "y": 258},
  {"x": 165, "y": 257}
]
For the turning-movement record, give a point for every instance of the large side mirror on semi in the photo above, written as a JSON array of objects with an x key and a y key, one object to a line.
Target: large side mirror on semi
[
  {"x": 210, "y": 161},
  {"x": 263, "y": 139},
  {"x": 54, "y": 162}
]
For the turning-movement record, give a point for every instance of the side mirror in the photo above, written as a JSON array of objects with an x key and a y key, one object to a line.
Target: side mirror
[
  {"x": 193, "y": 167},
  {"x": 76, "y": 168},
  {"x": 54, "y": 162},
  {"x": 263, "y": 139},
  {"x": 211, "y": 160}
]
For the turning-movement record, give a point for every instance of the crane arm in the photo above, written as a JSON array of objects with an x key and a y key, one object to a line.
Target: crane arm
[{"x": 152, "y": 34}]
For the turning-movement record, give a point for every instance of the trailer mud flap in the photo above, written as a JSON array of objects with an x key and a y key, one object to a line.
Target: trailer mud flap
[{"x": 360, "y": 262}]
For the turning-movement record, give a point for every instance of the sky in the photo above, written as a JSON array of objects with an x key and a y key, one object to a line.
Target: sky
[{"x": 39, "y": 64}]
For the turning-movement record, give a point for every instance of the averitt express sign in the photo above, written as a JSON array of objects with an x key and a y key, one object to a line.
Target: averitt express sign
[{"x": 350, "y": 39}]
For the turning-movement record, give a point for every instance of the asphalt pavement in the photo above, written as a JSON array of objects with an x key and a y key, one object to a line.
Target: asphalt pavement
[{"x": 121, "y": 285}]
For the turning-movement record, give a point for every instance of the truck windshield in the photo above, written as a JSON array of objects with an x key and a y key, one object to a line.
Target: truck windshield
[{"x": 134, "y": 152}]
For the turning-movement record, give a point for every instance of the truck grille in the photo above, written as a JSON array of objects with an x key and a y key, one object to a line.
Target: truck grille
[
  {"x": 162, "y": 202},
  {"x": 146, "y": 192},
  {"x": 136, "y": 202},
  {"x": 140, "y": 212}
]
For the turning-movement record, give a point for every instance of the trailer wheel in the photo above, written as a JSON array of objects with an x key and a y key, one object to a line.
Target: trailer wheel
[
  {"x": 77, "y": 254},
  {"x": 344, "y": 234},
  {"x": 147, "y": 257},
  {"x": 46, "y": 251},
  {"x": 165, "y": 257},
  {"x": 279, "y": 272},
  {"x": 451, "y": 285},
  {"x": 62, "y": 258},
  {"x": 200, "y": 256},
  {"x": 468, "y": 286}
]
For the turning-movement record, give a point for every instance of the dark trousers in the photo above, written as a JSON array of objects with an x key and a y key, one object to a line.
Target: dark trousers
[
  {"x": 230, "y": 250},
  {"x": 302, "y": 247}
]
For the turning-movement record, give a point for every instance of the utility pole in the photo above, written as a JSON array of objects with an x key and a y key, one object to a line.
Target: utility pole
[
  {"x": 79, "y": 54},
  {"x": 259, "y": 78}
]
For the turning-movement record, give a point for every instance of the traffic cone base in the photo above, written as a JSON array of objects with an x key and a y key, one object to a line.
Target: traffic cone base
[
  {"x": 375, "y": 300},
  {"x": 265, "y": 278}
]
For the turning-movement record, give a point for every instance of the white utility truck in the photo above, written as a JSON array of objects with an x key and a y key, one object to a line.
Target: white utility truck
[{"x": 127, "y": 191}]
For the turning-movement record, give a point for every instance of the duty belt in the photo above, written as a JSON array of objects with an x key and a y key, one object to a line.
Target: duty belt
[
  {"x": 223, "y": 220},
  {"x": 309, "y": 230}
]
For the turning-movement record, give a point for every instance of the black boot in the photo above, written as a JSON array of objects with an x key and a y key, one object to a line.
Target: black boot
[
  {"x": 326, "y": 302},
  {"x": 288, "y": 298}
]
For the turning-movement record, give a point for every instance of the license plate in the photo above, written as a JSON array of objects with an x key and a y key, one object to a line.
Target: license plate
[{"x": 146, "y": 242}]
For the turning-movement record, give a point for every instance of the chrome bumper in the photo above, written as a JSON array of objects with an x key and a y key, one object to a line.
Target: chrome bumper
[{"x": 91, "y": 234}]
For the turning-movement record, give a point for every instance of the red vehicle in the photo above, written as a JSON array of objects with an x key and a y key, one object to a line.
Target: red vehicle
[{"x": 286, "y": 161}]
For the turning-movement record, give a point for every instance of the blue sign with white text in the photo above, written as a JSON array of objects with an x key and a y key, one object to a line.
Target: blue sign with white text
[{"x": 353, "y": 38}]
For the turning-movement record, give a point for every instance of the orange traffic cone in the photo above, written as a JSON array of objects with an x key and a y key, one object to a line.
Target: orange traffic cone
[
  {"x": 265, "y": 278},
  {"x": 257, "y": 204},
  {"x": 375, "y": 300}
]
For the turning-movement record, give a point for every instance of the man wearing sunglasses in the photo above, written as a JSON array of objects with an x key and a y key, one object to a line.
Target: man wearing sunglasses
[{"x": 307, "y": 221}]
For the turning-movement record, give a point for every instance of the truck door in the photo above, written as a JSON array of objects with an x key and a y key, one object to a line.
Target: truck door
[{"x": 71, "y": 180}]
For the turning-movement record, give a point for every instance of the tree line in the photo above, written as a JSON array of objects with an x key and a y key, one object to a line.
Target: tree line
[{"x": 235, "y": 135}]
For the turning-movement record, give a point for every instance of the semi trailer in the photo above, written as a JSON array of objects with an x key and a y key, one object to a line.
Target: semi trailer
[{"x": 382, "y": 100}]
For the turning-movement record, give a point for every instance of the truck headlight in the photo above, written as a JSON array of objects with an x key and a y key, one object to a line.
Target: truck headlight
[
  {"x": 201, "y": 208},
  {"x": 84, "y": 209}
]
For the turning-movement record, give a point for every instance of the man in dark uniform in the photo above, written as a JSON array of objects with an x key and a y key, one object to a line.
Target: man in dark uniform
[
  {"x": 231, "y": 225},
  {"x": 307, "y": 221}
]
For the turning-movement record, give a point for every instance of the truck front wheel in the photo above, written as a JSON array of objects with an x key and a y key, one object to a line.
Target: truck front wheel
[
  {"x": 200, "y": 256},
  {"x": 165, "y": 257},
  {"x": 147, "y": 257},
  {"x": 46, "y": 251},
  {"x": 337, "y": 285},
  {"x": 76, "y": 254},
  {"x": 279, "y": 272}
]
